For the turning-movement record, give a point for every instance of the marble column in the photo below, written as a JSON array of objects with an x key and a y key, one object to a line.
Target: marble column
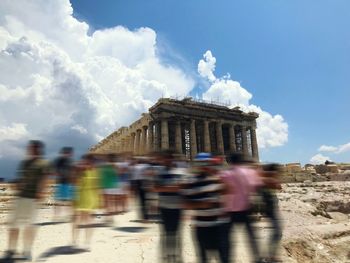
[
  {"x": 127, "y": 143},
  {"x": 144, "y": 140},
  {"x": 193, "y": 139},
  {"x": 118, "y": 146},
  {"x": 132, "y": 144},
  {"x": 206, "y": 134},
  {"x": 156, "y": 136},
  {"x": 137, "y": 141},
  {"x": 178, "y": 137},
  {"x": 164, "y": 135},
  {"x": 123, "y": 145},
  {"x": 244, "y": 141},
  {"x": 255, "y": 151},
  {"x": 232, "y": 138},
  {"x": 150, "y": 137},
  {"x": 219, "y": 138}
]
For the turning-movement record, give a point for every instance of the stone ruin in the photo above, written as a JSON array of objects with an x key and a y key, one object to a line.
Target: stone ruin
[
  {"x": 187, "y": 126},
  {"x": 294, "y": 172}
]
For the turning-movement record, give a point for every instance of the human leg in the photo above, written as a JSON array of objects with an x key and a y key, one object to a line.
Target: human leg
[
  {"x": 223, "y": 242},
  {"x": 275, "y": 236},
  {"x": 251, "y": 235},
  {"x": 201, "y": 237}
]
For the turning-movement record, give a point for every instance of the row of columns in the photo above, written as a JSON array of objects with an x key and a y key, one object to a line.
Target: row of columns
[{"x": 155, "y": 137}]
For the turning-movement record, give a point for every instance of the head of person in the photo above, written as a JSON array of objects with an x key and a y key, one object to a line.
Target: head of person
[
  {"x": 35, "y": 148},
  {"x": 271, "y": 170},
  {"x": 88, "y": 159},
  {"x": 203, "y": 162},
  {"x": 166, "y": 158},
  {"x": 67, "y": 152},
  {"x": 111, "y": 157},
  {"x": 217, "y": 161},
  {"x": 236, "y": 158}
]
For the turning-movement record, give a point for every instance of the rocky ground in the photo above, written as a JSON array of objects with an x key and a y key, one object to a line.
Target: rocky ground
[
  {"x": 314, "y": 216},
  {"x": 316, "y": 222}
]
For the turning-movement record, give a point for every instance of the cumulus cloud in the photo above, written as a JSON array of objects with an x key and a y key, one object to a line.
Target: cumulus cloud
[
  {"x": 16, "y": 131},
  {"x": 335, "y": 149},
  {"x": 327, "y": 148},
  {"x": 319, "y": 159},
  {"x": 59, "y": 81},
  {"x": 206, "y": 66},
  {"x": 344, "y": 148},
  {"x": 272, "y": 129}
]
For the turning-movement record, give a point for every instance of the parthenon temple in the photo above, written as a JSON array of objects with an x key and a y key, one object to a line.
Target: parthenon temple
[{"x": 188, "y": 127}]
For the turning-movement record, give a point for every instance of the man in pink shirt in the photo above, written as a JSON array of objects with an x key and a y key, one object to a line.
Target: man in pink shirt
[{"x": 241, "y": 182}]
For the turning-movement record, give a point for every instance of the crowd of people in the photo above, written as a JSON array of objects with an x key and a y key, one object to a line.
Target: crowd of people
[{"x": 219, "y": 193}]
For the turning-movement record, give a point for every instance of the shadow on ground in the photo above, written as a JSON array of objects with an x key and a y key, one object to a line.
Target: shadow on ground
[
  {"x": 50, "y": 223},
  {"x": 95, "y": 225},
  {"x": 62, "y": 250},
  {"x": 12, "y": 260},
  {"x": 131, "y": 229}
]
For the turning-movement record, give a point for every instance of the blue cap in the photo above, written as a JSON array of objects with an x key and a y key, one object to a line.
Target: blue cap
[{"x": 203, "y": 157}]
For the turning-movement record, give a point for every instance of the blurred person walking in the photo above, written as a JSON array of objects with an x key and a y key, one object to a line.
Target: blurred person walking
[
  {"x": 203, "y": 193},
  {"x": 168, "y": 181},
  {"x": 110, "y": 186},
  {"x": 63, "y": 168},
  {"x": 270, "y": 174},
  {"x": 139, "y": 172},
  {"x": 87, "y": 198},
  {"x": 241, "y": 182},
  {"x": 124, "y": 184},
  {"x": 33, "y": 173}
]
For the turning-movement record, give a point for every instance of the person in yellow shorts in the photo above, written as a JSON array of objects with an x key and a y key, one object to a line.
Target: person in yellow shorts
[{"x": 87, "y": 197}]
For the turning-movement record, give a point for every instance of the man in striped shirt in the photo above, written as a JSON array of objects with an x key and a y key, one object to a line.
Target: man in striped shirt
[
  {"x": 203, "y": 193},
  {"x": 168, "y": 185}
]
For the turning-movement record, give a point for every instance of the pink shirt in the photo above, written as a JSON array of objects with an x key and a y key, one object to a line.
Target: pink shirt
[{"x": 242, "y": 182}]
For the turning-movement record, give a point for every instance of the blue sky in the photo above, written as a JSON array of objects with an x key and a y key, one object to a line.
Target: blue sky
[
  {"x": 293, "y": 56},
  {"x": 74, "y": 71}
]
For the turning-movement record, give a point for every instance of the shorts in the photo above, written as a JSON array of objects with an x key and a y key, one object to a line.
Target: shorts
[
  {"x": 64, "y": 192},
  {"x": 24, "y": 212},
  {"x": 113, "y": 191}
]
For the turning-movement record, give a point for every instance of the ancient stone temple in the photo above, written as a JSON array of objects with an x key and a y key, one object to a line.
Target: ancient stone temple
[{"x": 188, "y": 127}]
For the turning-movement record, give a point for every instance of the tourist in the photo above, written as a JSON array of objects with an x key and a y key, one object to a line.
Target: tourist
[
  {"x": 33, "y": 173},
  {"x": 63, "y": 168},
  {"x": 168, "y": 185},
  {"x": 241, "y": 182},
  {"x": 203, "y": 193},
  {"x": 270, "y": 176},
  {"x": 109, "y": 186},
  {"x": 139, "y": 171},
  {"x": 123, "y": 166},
  {"x": 87, "y": 198}
]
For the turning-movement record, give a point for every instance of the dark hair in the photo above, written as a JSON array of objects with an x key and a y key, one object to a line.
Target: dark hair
[
  {"x": 111, "y": 157},
  {"x": 272, "y": 167},
  {"x": 67, "y": 150},
  {"x": 38, "y": 146},
  {"x": 88, "y": 157},
  {"x": 236, "y": 158},
  {"x": 168, "y": 154}
]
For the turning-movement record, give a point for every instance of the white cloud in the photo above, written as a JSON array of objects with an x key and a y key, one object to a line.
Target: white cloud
[
  {"x": 327, "y": 148},
  {"x": 272, "y": 129},
  {"x": 80, "y": 129},
  {"x": 206, "y": 66},
  {"x": 319, "y": 159},
  {"x": 344, "y": 148},
  {"x": 16, "y": 131},
  {"x": 228, "y": 90},
  {"x": 335, "y": 149},
  {"x": 57, "y": 80}
]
